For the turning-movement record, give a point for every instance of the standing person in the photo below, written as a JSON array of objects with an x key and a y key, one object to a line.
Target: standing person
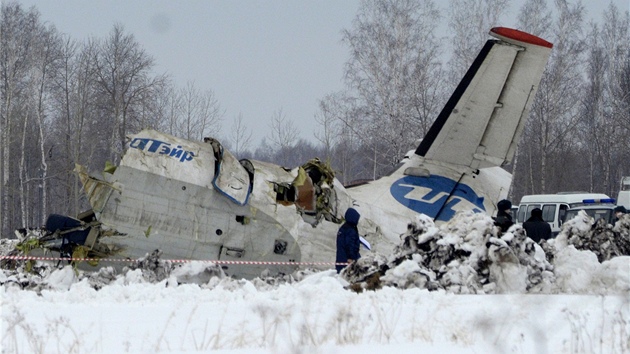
[
  {"x": 537, "y": 229},
  {"x": 504, "y": 215},
  {"x": 619, "y": 211},
  {"x": 348, "y": 239}
]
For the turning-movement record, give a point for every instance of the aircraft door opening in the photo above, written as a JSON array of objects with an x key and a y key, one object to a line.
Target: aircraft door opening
[{"x": 231, "y": 178}]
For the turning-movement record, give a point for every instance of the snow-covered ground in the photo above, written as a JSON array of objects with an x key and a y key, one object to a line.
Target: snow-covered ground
[{"x": 489, "y": 294}]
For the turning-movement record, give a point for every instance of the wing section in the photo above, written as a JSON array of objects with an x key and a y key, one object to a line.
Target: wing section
[{"x": 483, "y": 120}]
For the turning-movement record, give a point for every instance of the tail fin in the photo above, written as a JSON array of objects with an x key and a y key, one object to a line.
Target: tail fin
[{"x": 483, "y": 120}]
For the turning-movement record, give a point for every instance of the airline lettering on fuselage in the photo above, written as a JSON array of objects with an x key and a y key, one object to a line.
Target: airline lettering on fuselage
[
  {"x": 162, "y": 148},
  {"x": 427, "y": 195}
]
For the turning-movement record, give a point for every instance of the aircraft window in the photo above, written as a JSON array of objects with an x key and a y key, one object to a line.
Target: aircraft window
[
  {"x": 284, "y": 193},
  {"x": 234, "y": 252},
  {"x": 242, "y": 219},
  {"x": 549, "y": 212},
  {"x": 249, "y": 167},
  {"x": 280, "y": 247}
]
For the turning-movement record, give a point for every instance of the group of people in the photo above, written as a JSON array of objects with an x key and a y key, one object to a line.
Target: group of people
[{"x": 535, "y": 226}]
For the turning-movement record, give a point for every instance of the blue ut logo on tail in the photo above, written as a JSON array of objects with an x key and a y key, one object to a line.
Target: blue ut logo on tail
[{"x": 428, "y": 195}]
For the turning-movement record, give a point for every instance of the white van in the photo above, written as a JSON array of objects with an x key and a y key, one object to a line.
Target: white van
[
  {"x": 554, "y": 206},
  {"x": 623, "y": 198}
]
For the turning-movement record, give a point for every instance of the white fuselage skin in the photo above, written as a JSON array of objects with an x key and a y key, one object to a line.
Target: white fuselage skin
[
  {"x": 161, "y": 202},
  {"x": 194, "y": 200}
]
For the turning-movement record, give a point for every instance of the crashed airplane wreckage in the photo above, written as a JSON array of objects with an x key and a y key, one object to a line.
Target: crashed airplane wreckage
[{"x": 196, "y": 201}]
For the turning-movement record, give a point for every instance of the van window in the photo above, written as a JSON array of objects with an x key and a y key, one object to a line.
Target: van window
[
  {"x": 522, "y": 211},
  {"x": 561, "y": 212},
  {"x": 549, "y": 212},
  {"x": 514, "y": 211},
  {"x": 596, "y": 214}
]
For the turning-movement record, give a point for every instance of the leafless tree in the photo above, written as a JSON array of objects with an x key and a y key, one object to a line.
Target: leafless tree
[
  {"x": 200, "y": 114},
  {"x": 47, "y": 58},
  {"x": 536, "y": 18},
  {"x": 555, "y": 111},
  {"x": 470, "y": 21},
  {"x": 166, "y": 107},
  {"x": 211, "y": 115},
  {"x": 340, "y": 139},
  {"x": 284, "y": 135},
  {"x": 613, "y": 42},
  {"x": 240, "y": 136},
  {"x": 328, "y": 118},
  {"x": 73, "y": 102},
  {"x": 20, "y": 31},
  {"x": 391, "y": 77},
  {"x": 122, "y": 74}
]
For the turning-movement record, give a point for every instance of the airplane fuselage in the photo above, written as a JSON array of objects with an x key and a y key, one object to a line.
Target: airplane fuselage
[{"x": 195, "y": 200}]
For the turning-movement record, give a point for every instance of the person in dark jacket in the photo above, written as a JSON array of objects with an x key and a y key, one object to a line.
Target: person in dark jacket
[
  {"x": 348, "y": 239},
  {"x": 504, "y": 215},
  {"x": 537, "y": 229}
]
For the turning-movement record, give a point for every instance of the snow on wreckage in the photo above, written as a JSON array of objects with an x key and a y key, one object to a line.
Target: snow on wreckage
[
  {"x": 464, "y": 256},
  {"x": 196, "y": 201}
]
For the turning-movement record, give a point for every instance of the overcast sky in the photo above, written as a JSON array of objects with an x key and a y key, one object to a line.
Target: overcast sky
[{"x": 257, "y": 56}]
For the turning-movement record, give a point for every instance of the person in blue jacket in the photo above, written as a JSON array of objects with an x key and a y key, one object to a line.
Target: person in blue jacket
[{"x": 348, "y": 239}]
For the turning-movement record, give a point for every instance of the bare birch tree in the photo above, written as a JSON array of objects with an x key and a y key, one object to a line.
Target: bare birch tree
[
  {"x": 122, "y": 74},
  {"x": 470, "y": 21},
  {"x": 200, "y": 113},
  {"x": 340, "y": 139},
  {"x": 47, "y": 61},
  {"x": 74, "y": 97},
  {"x": 391, "y": 77},
  {"x": 328, "y": 118},
  {"x": 283, "y": 137},
  {"x": 211, "y": 115},
  {"x": 240, "y": 136},
  {"x": 555, "y": 111},
  {"x": 166, "y": 108},
  {"x": 616, "y": 39},
  {"x": 19, "y": 34},
  {"x": 536, "y": 18}
]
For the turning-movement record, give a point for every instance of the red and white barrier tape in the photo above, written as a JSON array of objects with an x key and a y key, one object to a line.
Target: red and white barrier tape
[{"x": 170, "y": 260}]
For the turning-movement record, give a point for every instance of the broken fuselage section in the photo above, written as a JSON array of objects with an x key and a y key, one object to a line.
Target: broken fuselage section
[{"x": 196, "y": 201}]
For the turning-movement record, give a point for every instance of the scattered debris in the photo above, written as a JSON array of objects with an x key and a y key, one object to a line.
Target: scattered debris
[
  {"x": 464, "y": 256},
  {"x": 469, "y": 256},
  {"x": 605, "y": 240}
]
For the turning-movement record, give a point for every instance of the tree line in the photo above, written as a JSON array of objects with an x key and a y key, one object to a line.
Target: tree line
[{"x": 66, "y": 101}]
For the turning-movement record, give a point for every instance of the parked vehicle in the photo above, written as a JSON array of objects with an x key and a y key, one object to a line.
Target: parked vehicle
[
  {"x": 555, "y": 206},
  {"x": 623, "y": 198},
  {"x": 595, "y": 210}
]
